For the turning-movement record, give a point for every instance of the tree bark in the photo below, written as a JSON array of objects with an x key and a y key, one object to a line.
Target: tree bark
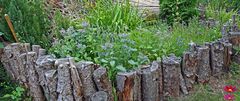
[
  {"x": 128, "y": 86},
  {"x": 189, "y": 69},
  {"x": 103, "y": 82},
  {"x": 86, "y": 70},
  {"x": 150, "y": 84},
  {"x": 217, "y": 58},
  {"x": 171, "y": 79},
  {"x": 29, "y": 60},
  {"x": 76, "y": 81},
  {"x": 100, "y": 96},
  {"x": 64, "y": 88},
  {"x": 47, "y": 76},
  {"x": 203, "y": 67}
]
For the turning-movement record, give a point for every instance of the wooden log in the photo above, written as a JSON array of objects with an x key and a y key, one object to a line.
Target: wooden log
[
  {"x": 64, "y": 87},
  {"x": 32, "y": 76},
  {"x": 203, "y": 64},
  {"x": 85, "y": 70},
  {"x": 150, "y": 84},
  {"x": 102, "y": 82},
  {"x": 25, "y": 47},
  {"x": 15, "y": 62},
  {"x": 217, "y": 58},
  {"x": 76, "y": 82},
  {"x": 171, "y": 79},
  {"x": 227, "y": 55},
  {"x": 35, "y": 48},
  {"x": 47, "y": 76},
  {"x": 100, "y": 96},
  {"x": 189, "y": 66},
  {"x": 6, "y": 58},
  {"x": 128, "y": 86},
  {"x": 42, "y": 52}
]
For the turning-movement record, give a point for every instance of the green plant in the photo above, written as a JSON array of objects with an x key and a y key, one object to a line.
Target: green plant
[
  {"x": 181, "y": 35},
  {"x": 15, "y": 94},
  {"x": 217, "y": 9},
  {"x": 178, "y": 10},
  {"x": 29, "y": 20},
  {"x": 114, "y": 16}
]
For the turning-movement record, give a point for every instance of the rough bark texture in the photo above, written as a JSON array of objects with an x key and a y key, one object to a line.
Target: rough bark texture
[
  {"x": 64, "y": 88},
  {"x": 6, "y": 59},
  {"x": 63, "y": 80},
  {"x": 150, "y": 75},
  {"x": 203, "y": 64},
  {"x": 100, "y": 96},
  {"x": 32, "y": 76},
  {"x": 76, "y": 81},
  {"x": 47, "y": 76},
  {"x": 102, "y": 81},
  {"x": 35, "y": 48},
  {"x": 217, "y": 58},
  {"x": 86, "y": 70},
  {"x": 171, "y": 79},
  {"x": 189, "y": 69},
  {"x": 227, "y": 56},
  {"x": 128, "y": 86}
]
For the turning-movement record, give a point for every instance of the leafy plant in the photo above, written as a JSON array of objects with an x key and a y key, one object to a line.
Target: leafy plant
[
  {"x": 114, "y": 16},
  {"x": 178, "y": 10},
  {"x": 15, "y": 95},
  {"x": 219, "y": 10},
  {"x": 29, "y": 20}
]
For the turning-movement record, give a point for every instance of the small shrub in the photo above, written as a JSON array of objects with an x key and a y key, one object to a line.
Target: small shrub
[
  {"x": 29, "y": 20},
  {"x": 178, "y": 10}
]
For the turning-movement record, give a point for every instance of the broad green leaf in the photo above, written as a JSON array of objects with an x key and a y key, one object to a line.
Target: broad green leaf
[
  {"x": 112, "y": 63},
  {"x": 121, "y": 68}
]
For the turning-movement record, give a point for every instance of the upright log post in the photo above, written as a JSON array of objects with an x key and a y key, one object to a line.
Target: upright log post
[
  {"x": 128, "y": 86},
  {"x": 171, "y": 77},
  {"x": 217, "y": 58},
  {"x": 86, "y": 70},
  {"x": 102, "y": 82},
  {"x": 189, "y": 69},
  {"x": 47, "y": 73},
  {"x": 150, "y": 82},
  {"x": 64, "y": 88},
  {"x": 203, "y": 64},
  {"x": 29, "y": 60},
  {"x": 76, "y": 82}
]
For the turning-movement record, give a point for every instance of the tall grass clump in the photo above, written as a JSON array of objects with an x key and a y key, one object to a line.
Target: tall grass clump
[{"x": 114, "y": 16}]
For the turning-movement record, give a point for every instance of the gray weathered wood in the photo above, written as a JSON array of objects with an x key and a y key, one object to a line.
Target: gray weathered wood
[
  {"x": 203, "y": 64},
  {"x": 102, "y": 82},
  {"x": 227, "y": 55},
  {"x": 100, "y": 96},
  {"x": 86, "y": 70},
  {"x": 6, "y": 58},
  {"x": 32, "y": 76},
  {"x": 150, "y": 84},
  {"x": 35, "y": 48},
  {"x": 217, "y": 56},
  {"x": 128, "y": 86},
  {"x": 76, "y": 82},
  {"x": 189, "y": 66},
  {"x": 171, "y": 79},
  {"x": 47, "y": 76},
  {"x": 64, "y": 87},
  {"x": 42, "y": 52}
]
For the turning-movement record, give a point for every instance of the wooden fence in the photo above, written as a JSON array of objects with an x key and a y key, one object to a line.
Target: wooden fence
[{"x": 51, "y": 79}]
